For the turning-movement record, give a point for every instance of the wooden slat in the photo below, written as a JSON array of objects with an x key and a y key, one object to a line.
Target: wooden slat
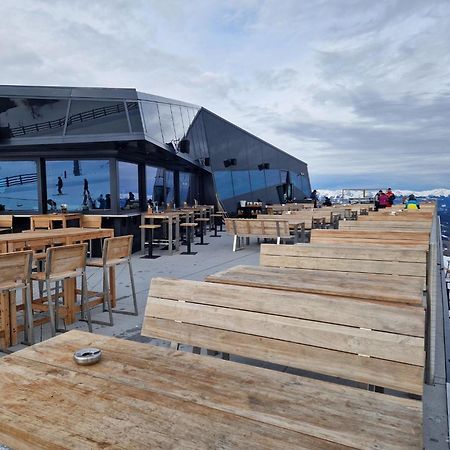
[
  {"x": 364, "y": 242},
  {"x": 384, "y": 226},
  {"x": 282, "y": 411},
  {"x": 382, "y": 236},
  {"x": 402, "y": 319},
  {"x": 371, "y": 287},
  {"x": 388, "y": 346},
  {"x": 403, "y": 377},
  {"x": 346, "y": 251}
]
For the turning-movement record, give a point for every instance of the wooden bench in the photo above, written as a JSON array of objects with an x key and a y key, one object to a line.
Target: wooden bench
[
  {"x": 406, "y": 239},
  {"x": 387, "y": 226},
  {"x": 346, "y": 258},
  {"x": 363, "y": 286},
  {"x": 362, "y": 342},
  {"x": 260, "y": 228}
]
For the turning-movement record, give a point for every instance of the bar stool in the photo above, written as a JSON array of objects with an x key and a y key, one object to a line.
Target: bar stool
[
  {"x": 40, "y": 223},
  {"x": 15, "y": 273},
  {"x": 63, "y": 263},
  {"x": 189, "y": 226},
  {"x": 116, "y": 251},
  {"x": 93, "y": 222},
  {"x": 202, "y": 224},
  {"x": 215, "y": 216},
  {"x": 150, "y": 227}
]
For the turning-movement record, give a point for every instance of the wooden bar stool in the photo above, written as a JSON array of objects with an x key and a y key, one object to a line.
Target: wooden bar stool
[
  {"x": 40, "y": 223},
  {"x": 64, "y": 263},
  {"x": 91, "y": 222},
  {"x": 116, "y": 251},
  {"x": 15, "y": 273},
  {"x": 188, "y": 227},
  {"x": 150, "y": 227},
  {"x": 6, "y": 223},
  {"x": 203, "y": 222}
]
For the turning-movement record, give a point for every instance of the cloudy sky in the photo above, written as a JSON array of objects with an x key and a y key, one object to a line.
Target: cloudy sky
[{"x": 359, "y": 89}]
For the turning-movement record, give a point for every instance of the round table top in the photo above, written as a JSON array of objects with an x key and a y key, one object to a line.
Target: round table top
[
  {"x": 150, "y": 226},
  {"x": 188, "y": 224}
]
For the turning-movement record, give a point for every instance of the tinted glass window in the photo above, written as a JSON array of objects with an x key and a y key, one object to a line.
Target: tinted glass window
[
  {"x": 177, "y": 121},
  {"x": 169, "y": 186},
  {"x": 82, "y": 185},
  {"x": 155, "y": 184},
  {"x": 241, "y": 182},
  {"x": 186, "y": 119},
  {"x": 257, "y": 179},
  {"x": 135, "y": 116},
  {"x": 272, "y": 177},
  {"x": 128, "y": 186},
  {"x": 185, "y": 184},
  {"x": 18, "y": 186},
  {"x": 165, "y": 116},
  {"x": 96, "y": 117},
  {"x": 224, "y": 185},
  {"x": 151, "y": 120},
  {"x": 28, "y": 117},
  {"x": 297, "y": 180}
]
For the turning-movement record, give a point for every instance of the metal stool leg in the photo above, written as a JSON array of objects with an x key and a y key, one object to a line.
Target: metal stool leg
[
  {"x": 50, "y": 308},
  {"x": 84, "y": 303},
  {"x": 133, "y": 294}
]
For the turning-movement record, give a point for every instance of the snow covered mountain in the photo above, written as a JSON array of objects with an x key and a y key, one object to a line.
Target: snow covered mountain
[{"x": 337, "y": 193}]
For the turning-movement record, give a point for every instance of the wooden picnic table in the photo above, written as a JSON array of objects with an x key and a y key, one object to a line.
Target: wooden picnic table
[
  {"x": 173, "y": 221},
  {"x": 365, "y": 286},
  {"x": 65, "y": 236},
  {"x": 143, "y": 396}
]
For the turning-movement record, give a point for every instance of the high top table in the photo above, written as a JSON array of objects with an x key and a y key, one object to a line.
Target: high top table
[
  {"x": 173, "y": 221},
  {"x": 140, "y": 396}
]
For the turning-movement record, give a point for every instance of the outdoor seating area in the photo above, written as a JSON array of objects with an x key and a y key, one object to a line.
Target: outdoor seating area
[{"x": 324, "y": 344}]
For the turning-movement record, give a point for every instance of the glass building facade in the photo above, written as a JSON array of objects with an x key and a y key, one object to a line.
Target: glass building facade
[{"x": 114, "y": 150}]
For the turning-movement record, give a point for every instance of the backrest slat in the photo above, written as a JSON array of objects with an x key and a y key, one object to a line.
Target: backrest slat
[{"x": 253, "y": 323}]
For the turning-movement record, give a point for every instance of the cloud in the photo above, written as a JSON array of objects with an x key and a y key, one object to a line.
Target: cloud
[{"x": 360, "y": 93}]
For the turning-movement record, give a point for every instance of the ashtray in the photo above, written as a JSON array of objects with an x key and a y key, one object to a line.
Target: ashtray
[{"x": 87, "y": 356}]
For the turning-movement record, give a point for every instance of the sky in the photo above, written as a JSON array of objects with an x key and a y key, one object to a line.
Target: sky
[{"x": 358, "y": 89}]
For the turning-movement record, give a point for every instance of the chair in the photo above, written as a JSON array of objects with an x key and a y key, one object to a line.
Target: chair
[
  {"x": 151, "y": 228},
  {"x": 6, "y": 223},
  {"x": 93, "y": 222},
  {"x": 189, "y": 235},
  {"x": 116, "y": 250},
  {"x": 40, "y": 223},
  {"x": 62, "y": 263},
  {"x": 15, "y": 273}
]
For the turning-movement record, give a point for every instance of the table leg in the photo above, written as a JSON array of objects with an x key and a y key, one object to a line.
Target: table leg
[
  {"x": 142, "y": 233},
  {"x": 13, "y": 317},
  {"x": 5, "y": 330},
  {"x": 170, "y": 235}
]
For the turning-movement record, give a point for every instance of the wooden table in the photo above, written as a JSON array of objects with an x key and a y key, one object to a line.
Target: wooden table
[
  {"x": 141, "y": 396},
  {"x": 373, "y": 287},
  {"x": 65, "y": 236},
  {"x": 173, "y": 219}
]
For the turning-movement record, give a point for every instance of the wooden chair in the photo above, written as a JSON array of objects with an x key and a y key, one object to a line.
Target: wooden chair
[
  {"x": 6, "y": 223},
  {"x": 116, "y": 251},
  {"x": 93, "y": 222},
  {"x": 15, "y": 273},
  {"x": 40, "y": 223},
  {"x": 62, "y": 263}
]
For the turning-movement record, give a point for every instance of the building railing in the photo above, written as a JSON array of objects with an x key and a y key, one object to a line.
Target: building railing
[{"x": 17, "y": 180}]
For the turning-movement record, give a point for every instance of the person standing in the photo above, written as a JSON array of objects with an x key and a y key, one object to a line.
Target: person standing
[
  {"x": 383, "y": 200},
  {"x": 314, "y": 197},
  {"x": 60, "y": 185},
  {"x": 391, "y": 197},
  {"x": 377, "y": 199}
]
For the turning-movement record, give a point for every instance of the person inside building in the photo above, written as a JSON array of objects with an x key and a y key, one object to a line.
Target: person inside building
[
  {"x": 391, "y": 197},
  {"x": 412, "y": 203},
  {"x": 327, "y": 202}
]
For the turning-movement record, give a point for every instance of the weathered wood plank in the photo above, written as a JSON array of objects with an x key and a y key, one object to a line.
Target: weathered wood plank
[
  {"x": 318, "y": 412},
  {"x": 402, "y": 319},
  {"x": 388, "y": 346},
  {"x": 377, "y": 288}
]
